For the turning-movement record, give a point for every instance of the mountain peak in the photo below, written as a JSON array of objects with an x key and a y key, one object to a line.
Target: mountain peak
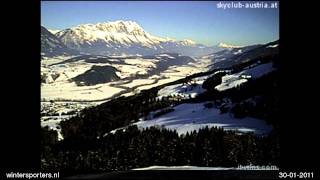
[
  {"x": 119, "y": 26},
  {"x": 53, "y": 31},
  {"x": 224, "y": 45},
  {"x": 52, "y": 46}
]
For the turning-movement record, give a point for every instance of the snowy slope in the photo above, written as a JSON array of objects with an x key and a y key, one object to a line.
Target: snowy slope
[
  {"x": 189, "y": 117},
  {"x": 230, "y": 56},
  {"x": 258, "y": 71},
  {"x": 184, "y": 91},
  {"x": 230, "y": 81},
  {"x": 234, "y": 80}
]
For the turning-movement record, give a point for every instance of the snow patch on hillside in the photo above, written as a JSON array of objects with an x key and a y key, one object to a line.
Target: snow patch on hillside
[
  {"x": 230, "y": 81},
  {"x": 258, "y": 71},
  {"x": 184, "y": 91},
  {"x": 234, "y": 80},
  {"x": 273, "y": 46}
]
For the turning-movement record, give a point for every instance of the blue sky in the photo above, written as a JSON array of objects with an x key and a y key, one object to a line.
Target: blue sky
[{"x": 199, "y": 21}]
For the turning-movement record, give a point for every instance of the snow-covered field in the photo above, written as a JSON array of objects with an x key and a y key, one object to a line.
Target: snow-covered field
[
  {"x": 139, "y": 82},
  {"x": 162, "y": 80},
  {"x": 189, "y": 117},
  {"x": 142, "y": 62},
  {"x": 183, "y": 71},
  {"x": 184, "y": 91},
  {"x": 230, "y": 81},
  {"x": 58, "y": 86},
  {"x": 130, "y": 70},
  {"x": 234, "y": 80},
  {"x": 258, "y": 71},
  {"x": 46, "y": 61},
  {"x": 71, "y": 92}
]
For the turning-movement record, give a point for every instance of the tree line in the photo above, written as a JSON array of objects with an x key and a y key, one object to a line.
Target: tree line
[{"x": 133, "y": 148}]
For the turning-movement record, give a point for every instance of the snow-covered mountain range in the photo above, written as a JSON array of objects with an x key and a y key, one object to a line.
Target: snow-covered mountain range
[
  {"x": 224, "y": 45},
  {"x": 127, "y": 37},
  {"x": 52, "y": 46}
]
